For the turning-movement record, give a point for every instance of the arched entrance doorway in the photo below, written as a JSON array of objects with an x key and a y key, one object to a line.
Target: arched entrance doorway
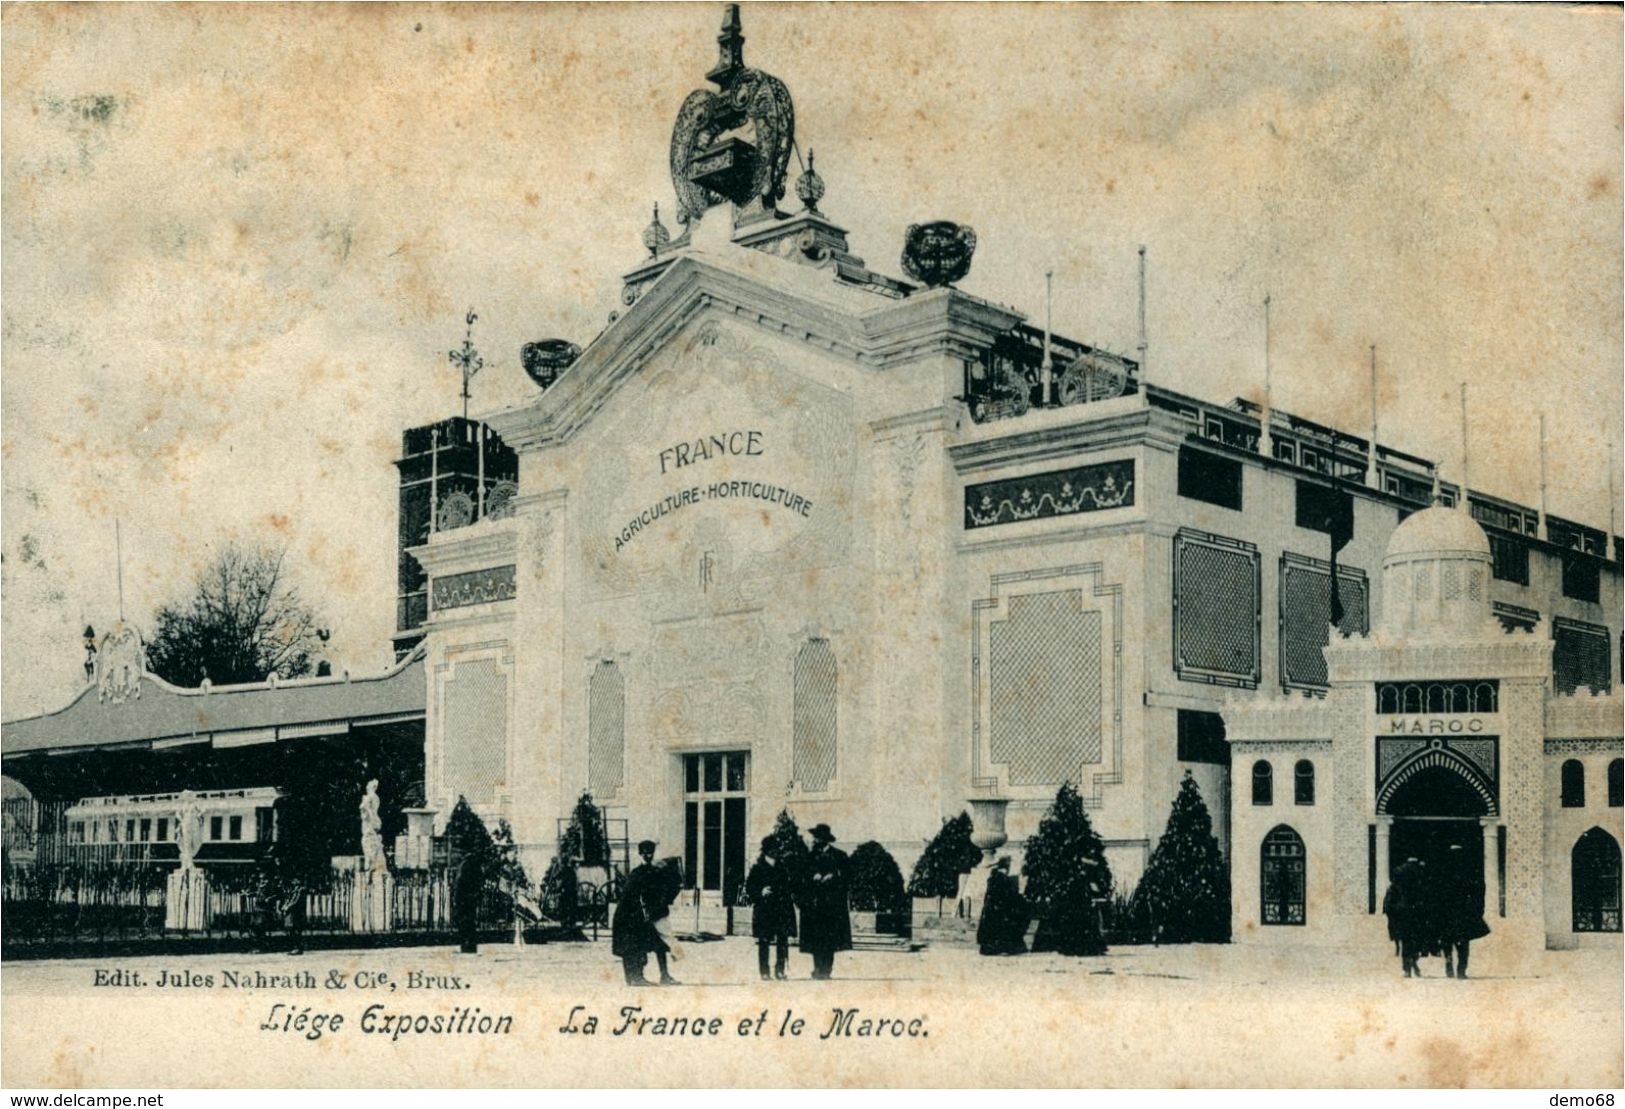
[
  {"x": 1437, "y": 814},
  {"x": 1595, "y": 874}
]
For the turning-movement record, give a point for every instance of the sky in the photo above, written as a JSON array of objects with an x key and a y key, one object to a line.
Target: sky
[{"x": 237, "y": 242}]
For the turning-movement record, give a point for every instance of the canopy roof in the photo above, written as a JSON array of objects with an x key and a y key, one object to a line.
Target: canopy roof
[{"x": 226, "y": 715}]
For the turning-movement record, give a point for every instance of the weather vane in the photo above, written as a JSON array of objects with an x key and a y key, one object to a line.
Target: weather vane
[{"x": 467, "y": 360}]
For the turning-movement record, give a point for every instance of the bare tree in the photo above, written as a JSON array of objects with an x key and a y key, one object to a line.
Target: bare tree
[{"x": 243, "y": 621}]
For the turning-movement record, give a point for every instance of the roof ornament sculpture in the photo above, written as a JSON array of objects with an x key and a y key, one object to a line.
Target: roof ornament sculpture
[
  {"x": 119, "y": 665},
  {"x": 938, "y": 253},
  {"x": 712, "y": 160}
]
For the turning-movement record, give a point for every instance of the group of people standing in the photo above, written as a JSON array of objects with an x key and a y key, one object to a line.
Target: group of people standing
[
  {"x": 813, "y": 885},
  {"x": 1070, "y": 924},
  {"x": 1434, "y": 914}
]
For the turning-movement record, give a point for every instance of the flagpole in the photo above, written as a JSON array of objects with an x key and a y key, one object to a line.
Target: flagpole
[
  {"x": 118, "y": 546},
  {"x": 1048, "y": 367},
  {"x": 1372, "y": 477},
  {"x": 1462, "y": 499},
  {"x": 1266, "y": 442},
  {"x": 1144, "y": 340}
]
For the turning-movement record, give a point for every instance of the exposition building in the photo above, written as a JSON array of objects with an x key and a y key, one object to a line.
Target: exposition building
[{"x": 793, "y": 533}]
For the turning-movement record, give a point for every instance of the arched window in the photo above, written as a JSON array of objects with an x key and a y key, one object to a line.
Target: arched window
[
  {"x": 606, "y": 731},
  {"x": 1413, "y": 698},
  {"x": 1616, "y": 783},
  {"x": 813, "y": 731},
  {"x": 1281, "y": 877},
  {"x": 1263, "y": 783},
  {"x": 1574, "y": 784},
  {"x": 1436, "y": 697},
  {"x": 1303, "y": 782},
  {"x": 1485, "y": 696},
  {"x": 1595, "y": 875},
  {"x": 1387, "y": 698}
]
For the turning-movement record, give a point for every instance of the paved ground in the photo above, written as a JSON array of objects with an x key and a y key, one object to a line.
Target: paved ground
[{"x": 1181, "y": 1016}]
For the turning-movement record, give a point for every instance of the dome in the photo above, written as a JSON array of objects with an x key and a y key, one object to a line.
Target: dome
[
  {"x": 1437, "y": 531},
  {"x": 1436, "y": 575}
]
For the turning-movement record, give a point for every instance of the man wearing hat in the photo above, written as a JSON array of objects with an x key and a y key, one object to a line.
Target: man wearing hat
[
  {"x": 773, "y": 909},
  {"x": 643, "y": 902},
  {"x": 826, "y": 926}
]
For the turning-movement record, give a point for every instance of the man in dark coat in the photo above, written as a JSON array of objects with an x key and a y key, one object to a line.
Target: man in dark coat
[
  {"x": 773, "y": 908},
  {"x": 467, "y": 888},
  {"x": 643, "y": 901},
  {"x": 826, "y": 924},
  {"x": 1407, "y": 906},
  {"x": 1003, "y": 928},
  {"x": 1461, "y": 911},
  {"x": 1070, "y": 925}
]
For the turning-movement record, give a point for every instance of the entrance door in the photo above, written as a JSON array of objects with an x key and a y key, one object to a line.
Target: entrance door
[
  {"x": 715, "y": 792},
  {"x": 1436, "y": 821},
  {"x": 1451, "y": 852}
]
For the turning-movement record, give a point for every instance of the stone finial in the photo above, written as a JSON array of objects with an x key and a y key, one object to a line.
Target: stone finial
[
  {"x": 810, "y": 187},
  {"x": 655, "y": 237}
]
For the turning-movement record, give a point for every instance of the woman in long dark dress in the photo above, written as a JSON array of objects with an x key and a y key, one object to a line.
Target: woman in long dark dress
[{"x": 1005, "y": 915}]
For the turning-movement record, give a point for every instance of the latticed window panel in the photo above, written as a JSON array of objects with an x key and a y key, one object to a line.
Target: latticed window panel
[
  {"x": 1045, "y": 688},
  {"x": 1595, "y": 879},
  {"x": 1580, "y": 656},
  {"x": 813, "y": 712},
  {"x": 474, "y": 730},
  {"x": 1305, "y": 606},
  {"x": 1216, "y": 609},
  {"x": 606, "y": 731}
]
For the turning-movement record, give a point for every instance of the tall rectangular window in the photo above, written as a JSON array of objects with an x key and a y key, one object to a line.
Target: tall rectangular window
[
  {"x": 1201, "y": 738},
  {"x": 1581, "y": 656},
  {"x": 1208, "y": 477},
  {"x": 1510, "y": 558},
  {"x": 1580, "y": 576}
]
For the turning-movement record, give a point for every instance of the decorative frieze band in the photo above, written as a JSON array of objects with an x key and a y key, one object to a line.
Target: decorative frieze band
[
  {"x": 476, "y": 587},
  {"x": 1056, "y": 493},
  {"x": 1596, "y": 746}
]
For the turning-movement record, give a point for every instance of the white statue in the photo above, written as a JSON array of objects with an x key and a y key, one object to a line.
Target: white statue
[
  {"x": 372, "y": 836},
  {"x": 189, "y": 828}
]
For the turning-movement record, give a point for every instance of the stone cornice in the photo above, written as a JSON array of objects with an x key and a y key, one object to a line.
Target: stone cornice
[
  {"x": 1262, "y": 717},
  {"x": 1585, "y": 715},
  {"x": 472, "y": 548},
  {"x": 931, "y": 323},
  {"x": 1362, "y": 659},
  {"x": 1067, "y": 433}
]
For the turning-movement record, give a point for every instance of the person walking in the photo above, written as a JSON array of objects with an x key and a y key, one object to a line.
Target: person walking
[
  {"x": 826, "y": 924},
  {"x": 467, "y": 889},
  {"x": 773, "y": 909},
  {"x": 1408, "y": 914},
  {"x": 633, "y": 932},
  {"x": 1461, "y": 912},
  {"x": 1005, "y": 915}
]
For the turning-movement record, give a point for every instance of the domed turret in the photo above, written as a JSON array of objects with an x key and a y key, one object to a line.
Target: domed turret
[{"x": 1436, "y": 575}]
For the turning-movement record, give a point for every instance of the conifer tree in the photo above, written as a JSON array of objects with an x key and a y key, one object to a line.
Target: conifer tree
[
  {"x": 1063, "y": 848},
  {"x": 792, "y": 849},
  {"x": 1185, "y": 894},
  {"x": 949, "y": 855}
]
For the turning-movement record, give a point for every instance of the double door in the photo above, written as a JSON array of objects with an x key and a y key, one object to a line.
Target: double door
[{"x": 716, "y": 787}]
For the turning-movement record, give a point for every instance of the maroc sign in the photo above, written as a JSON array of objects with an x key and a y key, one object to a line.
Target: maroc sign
[{"x": 1438, "y": 724}]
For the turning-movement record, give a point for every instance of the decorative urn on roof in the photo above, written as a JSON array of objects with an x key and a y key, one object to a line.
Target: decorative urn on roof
[
  {"x": 938, "y": 253},
  {"x": 545, "y": 360}
]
